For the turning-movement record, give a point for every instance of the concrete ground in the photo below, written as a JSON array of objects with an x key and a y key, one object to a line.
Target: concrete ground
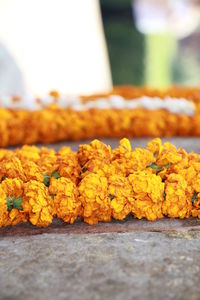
[{"x": 121, "y": 260}]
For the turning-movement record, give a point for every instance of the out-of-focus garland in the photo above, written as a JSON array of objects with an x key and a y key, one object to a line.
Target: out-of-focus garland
[
  {"x": 53, "y": 123},
  {"x": 97, "y": 183}
]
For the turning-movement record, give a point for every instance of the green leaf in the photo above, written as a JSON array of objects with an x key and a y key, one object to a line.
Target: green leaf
[
  {"x": 55, "y": 175},
  {"x": 194, "y": 197},
  {"x": 155, "y": 167},
  {"x": 46, "y": 180},
  {"x": 158, "y": 168},
  {"x": 17, "y": 203},
  {"x": 167, "y": 165},
  {"x": 155, "y": 154},
  {"x": 84, "y": 170},
  {"x": 9, "y": 201},
  {"x": 13, "y": 202},
  {"x": 52, "y": 196},
  {"x": 164, "y": 195},
  {"x": 111, "y": 197}
]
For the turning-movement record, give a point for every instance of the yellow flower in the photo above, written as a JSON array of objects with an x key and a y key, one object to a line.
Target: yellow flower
[
  {"x": 48, "y": 160},
  {"x": 155, "y": 146},
  {"x": 54, "y": 124},
  {"x": 148, "y": 194},
  {"x": 66, "y": 202},
  {"x": 93, "y": 191},
  {"x": 196, "y": 205},
  {"x": 37, "y": 203},
  {"x": 5, "y": 117},
  {"x": 178, "y": 197},
  {"x": 12, "y": 168},
  {"x": 98, "y": 183},
  {"x": 166, "y": 156},
  {"x": 4, "y": 213},
  {"x": 120, "y": 194},
  {"x": 98, "y": 166},
  {"x": 125, "y": 161},
  {"x": 5, "y": 154},
  {"x": 169, "y": 154},
  {"x": 27, "y": 153},
  {"x": 68, "y": 165},
  {"x": 124, "y": 150},
  {"x": 32, "y": 171},
  {"x": 95, "y": 149},
  {"x": 196, "y": 196},
  {"x": 11, "y": 198}
]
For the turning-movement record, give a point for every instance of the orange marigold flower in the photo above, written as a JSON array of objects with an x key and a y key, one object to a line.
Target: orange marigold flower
[
  {"x": 32, "y": 171},
  {"x": 54, "y": 94},
  {"x": 27, "y": 153},
  {"x": 98, "y": 166},
  {"x": 4, "y": 213},
  {"x": 178, "y": 195},
  {"x": 138, "y": 160},
  {"x": 5, "y": 154},
  {"x": 165, "y": 156},
  {"x": 188, "y": 167},
  {"x": 66, "y": 202},
  {"x": 11, "y": 198},
  {"x": 48, "y": 160},
  {"x": 37, "y": 203},
  {"x": 155, "y": 146},
  {"x": 68, "y": 165},
  {"x": 148, "y": 194},
  {"x": 124, "y": 150},
  {"x": 169, "y": 154},
  {"x": 196, "y": 196},
  {"x": 12, "y": 168},
  {"x": 95, "y": 149},
  {"x": 120, "y": 194},
  {"x": 196, "y": 204},
  {"x": 93, "y": 191}
]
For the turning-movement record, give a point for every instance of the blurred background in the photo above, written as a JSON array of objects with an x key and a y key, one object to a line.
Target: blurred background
[
  {"x": 153, "y": 42},
  {"x": 85, "y": 46}
]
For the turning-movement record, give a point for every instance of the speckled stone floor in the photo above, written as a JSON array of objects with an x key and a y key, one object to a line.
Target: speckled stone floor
[{"x": 122, "y": 260}]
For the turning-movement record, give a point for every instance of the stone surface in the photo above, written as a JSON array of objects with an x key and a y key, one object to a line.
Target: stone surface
[
  {"x": 134, "y": 259},
  {"x": 101, "y": 266},
  {"x": 128, "y": 225}
]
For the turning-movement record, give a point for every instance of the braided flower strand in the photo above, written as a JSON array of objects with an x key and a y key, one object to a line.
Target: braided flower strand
[{"x": 97, "y": 183}]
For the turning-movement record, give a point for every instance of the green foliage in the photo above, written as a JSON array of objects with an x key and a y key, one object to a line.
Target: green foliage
[
  {"x": 13, "y": 202},
  {"x": 125, "y": 44}
]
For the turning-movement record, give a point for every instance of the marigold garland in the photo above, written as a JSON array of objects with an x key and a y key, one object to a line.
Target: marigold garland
[
  {"x": 98, "y": 183},
  {"x": 53, "y": 123}
]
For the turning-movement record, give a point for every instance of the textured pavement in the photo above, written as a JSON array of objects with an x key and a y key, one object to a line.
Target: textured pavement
[
  {"x": 101, "y": 266},
  {"x": 121, "y": 260}
]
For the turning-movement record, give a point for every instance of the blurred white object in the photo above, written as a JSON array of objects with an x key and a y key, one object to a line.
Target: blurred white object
[
  {"x": 173, "y": 105},
  {"x": 57, "y": 44},
  {"x": 10, "y": 76},
  {"x": 179, "y": 17}
]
